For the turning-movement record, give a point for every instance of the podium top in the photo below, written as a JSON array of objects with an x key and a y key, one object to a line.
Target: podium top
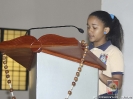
[{"x": 24, "y": 48}]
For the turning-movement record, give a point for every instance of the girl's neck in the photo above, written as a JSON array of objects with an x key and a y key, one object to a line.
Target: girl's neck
[{"x": 96, "y": 44}]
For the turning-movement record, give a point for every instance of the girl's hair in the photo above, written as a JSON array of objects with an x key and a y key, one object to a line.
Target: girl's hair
[{"x": 115, "y": 34}]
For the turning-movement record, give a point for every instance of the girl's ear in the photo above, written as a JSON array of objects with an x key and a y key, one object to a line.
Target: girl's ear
[{"x": 106, "y": 29}]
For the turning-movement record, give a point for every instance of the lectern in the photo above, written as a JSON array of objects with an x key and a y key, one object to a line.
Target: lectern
[{"x": 52, "y": 61}]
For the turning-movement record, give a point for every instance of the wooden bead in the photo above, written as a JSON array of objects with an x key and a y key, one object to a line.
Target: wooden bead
[
  {"x": 5, "y": 66},
  {"x": 4, "y": 62},
  {"x": 7, "y": 76},
  {"x": 86, "y": 44},
  {"x": 82, "y": 41},
  {"x": 11, "y": 90},
  {"x": 76, "y": 79},
  {"x": 69, "y": 92},
  {"x": 84, "y": 55},
  {"x": 79, "y": 69},
  {"x": 4, "y": 58},
  {"x": 6, "y": 71},
  {"x": 73, "y": 83},
  {"x": 8, "y": 81},
  {"x": 77, "y": 74},
  {"x": 81, "y": 64},
  {"x": 82, "y": 59},
  {"x": 85, "y": 49}
]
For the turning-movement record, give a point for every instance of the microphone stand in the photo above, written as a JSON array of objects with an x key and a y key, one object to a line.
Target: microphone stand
[{"x": 79, "y": 29}]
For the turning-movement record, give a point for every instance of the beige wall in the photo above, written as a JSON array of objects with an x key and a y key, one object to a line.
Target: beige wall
[{"x": 25, "y": 14}]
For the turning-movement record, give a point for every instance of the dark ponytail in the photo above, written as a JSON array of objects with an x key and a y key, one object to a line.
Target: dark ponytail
[{"x": 115, "y": 34}]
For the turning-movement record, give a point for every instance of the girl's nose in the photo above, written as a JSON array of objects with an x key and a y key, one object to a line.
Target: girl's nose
[{"x": 89, "y": 31}]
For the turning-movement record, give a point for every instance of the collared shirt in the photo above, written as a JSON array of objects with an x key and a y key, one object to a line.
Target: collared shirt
[{"x": 112, "y": 57}]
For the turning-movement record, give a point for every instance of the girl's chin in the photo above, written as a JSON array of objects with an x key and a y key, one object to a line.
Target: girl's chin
[{"x": 91, "y": 40}]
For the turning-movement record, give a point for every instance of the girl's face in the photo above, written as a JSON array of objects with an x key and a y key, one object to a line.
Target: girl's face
[{"x": 95, "y": 29}]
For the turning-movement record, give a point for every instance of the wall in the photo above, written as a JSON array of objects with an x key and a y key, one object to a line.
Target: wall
[
  {"x": 24, "y": 14},
  {"x": 64, "y": 12},
  {"x": 123, "y": 10},
  {"x": 17, "y": 14}
]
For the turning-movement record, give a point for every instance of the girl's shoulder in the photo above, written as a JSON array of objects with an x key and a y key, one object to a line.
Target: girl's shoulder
[{"x": 113, "y": 50}]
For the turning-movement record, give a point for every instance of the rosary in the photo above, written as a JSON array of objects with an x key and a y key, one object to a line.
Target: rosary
[{"x": 85, "y": 49}]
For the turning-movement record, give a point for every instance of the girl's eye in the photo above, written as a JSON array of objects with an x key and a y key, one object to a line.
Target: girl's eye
[{"x": 94, "y": 27}]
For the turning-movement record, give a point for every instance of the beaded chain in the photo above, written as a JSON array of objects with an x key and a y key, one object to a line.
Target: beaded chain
[
  {"x": 83, "y": 44},
  {"x": 85, "y": 48},
  {"x": 7, "y": 75}
]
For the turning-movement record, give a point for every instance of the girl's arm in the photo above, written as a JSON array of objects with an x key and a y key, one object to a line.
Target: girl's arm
[{"x": 118, "y": 77}]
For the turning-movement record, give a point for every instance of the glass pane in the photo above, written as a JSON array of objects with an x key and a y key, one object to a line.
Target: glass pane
[
  {"x": 22, "y": 87},
  {"x": 16, "y": 71},
  {"x": 22, "y": 83}
]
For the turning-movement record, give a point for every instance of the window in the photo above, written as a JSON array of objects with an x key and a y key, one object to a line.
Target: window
[{"x": 18, "y": 74}]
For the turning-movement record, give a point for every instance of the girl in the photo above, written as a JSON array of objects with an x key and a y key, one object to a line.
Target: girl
[{"x": 106, "y": 40}]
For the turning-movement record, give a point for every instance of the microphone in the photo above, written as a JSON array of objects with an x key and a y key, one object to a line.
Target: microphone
[{"x": 79, "y": 29}]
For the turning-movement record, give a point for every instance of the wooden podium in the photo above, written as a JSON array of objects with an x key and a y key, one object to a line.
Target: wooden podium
[{"x": 53, "y": 61}]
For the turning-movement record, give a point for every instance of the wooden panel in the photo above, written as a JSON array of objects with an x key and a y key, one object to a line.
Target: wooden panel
[{"x": 23, "y": 49}]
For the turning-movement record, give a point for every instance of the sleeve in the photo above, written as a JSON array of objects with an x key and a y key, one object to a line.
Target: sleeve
[{"x": 117, "y": 62}]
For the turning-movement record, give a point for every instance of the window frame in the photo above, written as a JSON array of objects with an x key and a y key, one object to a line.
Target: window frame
[{"x": 1, "y": 40}]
